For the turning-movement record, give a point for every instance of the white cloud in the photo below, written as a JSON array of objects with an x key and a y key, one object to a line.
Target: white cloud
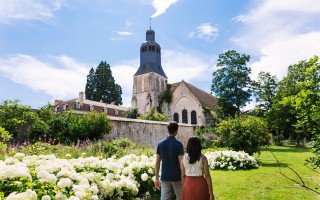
[
  {"x": 161, "y": 6},
  {"x": 124, "y": 33},
  {"x": 280, "y": 33},
  {"x": 123, "y": 75},
  {"x": 181, "y": 65},
  {"x": 60, "y": 82},
  {"x": 28, "y": 10},
  {"x": 205, "y": 31},
  {"x": 62, "y": 77}
]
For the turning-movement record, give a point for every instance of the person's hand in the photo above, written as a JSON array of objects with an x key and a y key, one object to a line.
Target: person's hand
[
  {"x": 157, "y": 183},
  {"x": 211, "y": 197}
]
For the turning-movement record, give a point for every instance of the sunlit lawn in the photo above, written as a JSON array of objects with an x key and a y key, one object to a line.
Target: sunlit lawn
[{"x": 266, "y": 182}]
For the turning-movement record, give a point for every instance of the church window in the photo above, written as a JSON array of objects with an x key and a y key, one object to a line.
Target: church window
[
  {"x": 176, "y": 117},
  {"x": 193, "y": 117},
  {"x": 78, "y": 105},
  {"x": 184, "y": 116},
  {"x": 152, "y": 48},
  {"x": 149, "y": 48}
]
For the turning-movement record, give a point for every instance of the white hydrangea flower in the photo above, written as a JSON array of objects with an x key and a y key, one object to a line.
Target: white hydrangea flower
[
  {"x": 144, "y": 176},
  {"x": 64, "y": 183},
  {"x": 46, "y": 197}
]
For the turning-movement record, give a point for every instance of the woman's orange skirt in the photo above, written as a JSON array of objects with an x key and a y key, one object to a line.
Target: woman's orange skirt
[{"x": 195, "y": 188}]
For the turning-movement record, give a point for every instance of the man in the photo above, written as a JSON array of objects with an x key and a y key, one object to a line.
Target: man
[{"x": 170, "y": 152}]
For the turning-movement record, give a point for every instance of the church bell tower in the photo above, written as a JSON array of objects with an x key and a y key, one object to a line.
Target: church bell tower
[{"x": 150, "y": 80}]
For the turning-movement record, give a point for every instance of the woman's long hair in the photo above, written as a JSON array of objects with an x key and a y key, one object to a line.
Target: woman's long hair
[{"x": 194, "y": 149}]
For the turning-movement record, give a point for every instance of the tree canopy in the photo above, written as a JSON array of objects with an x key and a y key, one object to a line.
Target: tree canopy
[
  {"x": 101, "y": 85},
  {"x": 231, "y": 82}
]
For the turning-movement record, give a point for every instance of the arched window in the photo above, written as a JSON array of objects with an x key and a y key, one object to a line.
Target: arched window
[
  {"x": 184, "y": 116},
  {"x": 78, "y": 106},
  {"x": 176, "y": 117},
  {"x": 193, "y": 117}
]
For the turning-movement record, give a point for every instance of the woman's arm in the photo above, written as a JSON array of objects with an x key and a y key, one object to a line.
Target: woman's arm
[
  {"x": 183, "y": 171},
  {"x": 208, "y": 176}
]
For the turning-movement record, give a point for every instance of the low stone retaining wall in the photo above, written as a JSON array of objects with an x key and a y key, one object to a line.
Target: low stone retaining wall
[{"x": 145, "y": 132}]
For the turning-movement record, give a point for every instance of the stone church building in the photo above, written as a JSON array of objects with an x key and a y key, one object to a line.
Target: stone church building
[{"x": 150, "y": 82}]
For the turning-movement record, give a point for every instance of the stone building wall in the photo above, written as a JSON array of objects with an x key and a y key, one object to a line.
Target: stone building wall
[{"x": 144, "y": 132}]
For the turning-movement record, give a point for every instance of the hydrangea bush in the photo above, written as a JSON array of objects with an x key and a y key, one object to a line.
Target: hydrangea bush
[
  {"x": 231, "y": 160},
  {"x": 47, "y": 177}
]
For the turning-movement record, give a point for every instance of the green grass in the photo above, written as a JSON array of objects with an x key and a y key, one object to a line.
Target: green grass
[{"x": 266, "y": 182}]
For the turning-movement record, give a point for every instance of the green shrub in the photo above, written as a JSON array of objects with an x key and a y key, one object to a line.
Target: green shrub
[
  {"x": 315, "y": 144},
  {"x": 244, "y": 133},
  {"x": 132, "y": 113},
  {"x": 111, "y": 150},
  {"x": 4, "y": 137},
  {"x": 124, "y": 143},
  {"x": 154, "y": 116}
]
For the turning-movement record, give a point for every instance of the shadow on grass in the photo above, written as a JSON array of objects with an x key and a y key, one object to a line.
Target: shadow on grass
[
  {"x": 271, "y": 164},
  {"x": 291, "y": 149}
]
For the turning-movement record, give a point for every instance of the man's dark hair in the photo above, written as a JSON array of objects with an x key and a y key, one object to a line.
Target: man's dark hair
[{"x": 172, "y": 127}]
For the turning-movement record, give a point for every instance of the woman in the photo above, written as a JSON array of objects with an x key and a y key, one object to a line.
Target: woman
[{"x": 196, "y": 178}]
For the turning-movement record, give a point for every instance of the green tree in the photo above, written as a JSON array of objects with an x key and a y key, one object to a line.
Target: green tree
[
  {"x": 101, "y": 85},
  {"x": 244, "y": 133},
  {"x": 231, "y": 82},
  {"x": 12, "y": 116},
  {"x": 90, "y": 85},
  {"x": 306, "y": 102},
  {"x": 291, "y": 111},
  {"x": 264, "y": 89}
]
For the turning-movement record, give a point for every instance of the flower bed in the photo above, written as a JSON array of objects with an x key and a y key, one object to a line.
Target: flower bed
[
  {"x": 230, "y": 160},
  {"x": 47, "y": 177}
]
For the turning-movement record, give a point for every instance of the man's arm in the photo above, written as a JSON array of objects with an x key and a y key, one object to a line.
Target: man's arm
[{"x": 157, "y": 168}]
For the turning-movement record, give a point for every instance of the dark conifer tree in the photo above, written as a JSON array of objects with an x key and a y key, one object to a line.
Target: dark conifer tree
[{"x": 101, "y": 85}]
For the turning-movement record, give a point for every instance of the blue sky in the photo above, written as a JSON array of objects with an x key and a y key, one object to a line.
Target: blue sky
[{"x": 48, "y": 46}]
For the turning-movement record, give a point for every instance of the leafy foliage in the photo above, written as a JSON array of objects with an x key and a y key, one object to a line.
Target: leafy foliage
[
  {"x": 154, "y": 116},
  {"x": 4, "y": 138},
  {"x": 165, "y": 96},
  {"x": 264, "y": 89},
  {"x": 244, "y": 133},
  {"x": 71, "y": 127},
  {"x": 230, "y": 83},
  {"x": 101, "y": 85},
  {"x": 315, "y": 160},
  {"x": 132, "y": 113}
]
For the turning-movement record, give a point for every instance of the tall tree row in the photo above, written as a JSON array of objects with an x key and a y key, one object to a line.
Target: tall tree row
[
  {"x": 291, "y": 106},
  {"x": 101, "y": 85}
]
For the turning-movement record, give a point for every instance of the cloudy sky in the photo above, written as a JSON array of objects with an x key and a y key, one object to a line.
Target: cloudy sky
[{"x": 48, "y": 47}]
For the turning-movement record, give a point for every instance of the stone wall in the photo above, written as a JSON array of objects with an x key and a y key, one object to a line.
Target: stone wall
[{"x": 144, "y": 132}]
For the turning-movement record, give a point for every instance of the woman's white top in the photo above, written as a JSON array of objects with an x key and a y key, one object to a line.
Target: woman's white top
[{"x": 194, "y": 169}]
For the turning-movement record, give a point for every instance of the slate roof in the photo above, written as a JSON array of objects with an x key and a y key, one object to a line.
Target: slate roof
[{"x": 206, "y": 99}]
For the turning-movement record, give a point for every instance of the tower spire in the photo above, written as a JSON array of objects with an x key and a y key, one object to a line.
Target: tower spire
[{"x": 150, "y": 23}]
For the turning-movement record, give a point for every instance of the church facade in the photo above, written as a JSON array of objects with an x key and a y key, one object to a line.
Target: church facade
[{"x": 189, "y": 104}]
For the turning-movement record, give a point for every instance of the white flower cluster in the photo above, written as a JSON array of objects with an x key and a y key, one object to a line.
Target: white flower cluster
[
  {"x": 231, "y": 160},
  {"x": 83, "y": 178}
]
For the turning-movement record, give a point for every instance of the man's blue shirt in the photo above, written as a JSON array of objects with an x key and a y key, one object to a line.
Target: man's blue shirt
[{"x": 169, "y": 150}]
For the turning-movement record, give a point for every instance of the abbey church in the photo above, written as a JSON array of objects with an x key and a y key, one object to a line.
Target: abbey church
[
  {"x": 150, "y": 82},
  {"x": 187, "y": 105}
]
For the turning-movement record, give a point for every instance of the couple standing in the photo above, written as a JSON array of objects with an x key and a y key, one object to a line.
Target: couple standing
[{"x": 186, "y": 176}]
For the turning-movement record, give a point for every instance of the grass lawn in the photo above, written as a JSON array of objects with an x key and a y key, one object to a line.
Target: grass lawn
[{"x": 266, "y": 182}]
